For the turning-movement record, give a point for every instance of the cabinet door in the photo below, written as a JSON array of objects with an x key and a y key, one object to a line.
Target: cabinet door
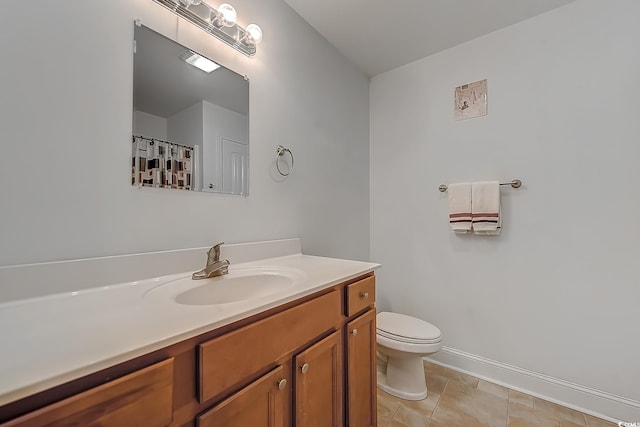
[
  {"x": 263, "y": 403},
  {"x": 361, "y": 371},
  {"x": 318, "y": 384}
]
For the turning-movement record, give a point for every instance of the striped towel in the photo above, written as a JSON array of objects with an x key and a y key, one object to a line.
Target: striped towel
[
  {"x": 460, "y": 207},
  {"x": 485, "y": 208}
]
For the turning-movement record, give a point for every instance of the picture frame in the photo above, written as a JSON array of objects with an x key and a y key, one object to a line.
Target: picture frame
[{"x": 470, "y": 100}]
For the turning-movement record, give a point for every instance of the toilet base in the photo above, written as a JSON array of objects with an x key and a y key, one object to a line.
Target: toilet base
[{"x": 404, "y": 378}]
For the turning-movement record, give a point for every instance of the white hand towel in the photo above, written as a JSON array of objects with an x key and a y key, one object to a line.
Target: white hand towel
[
  {"x": 460, "y": 207},
  {"x": 490, "y": 232},
  {"x": 485, "y": 207}
]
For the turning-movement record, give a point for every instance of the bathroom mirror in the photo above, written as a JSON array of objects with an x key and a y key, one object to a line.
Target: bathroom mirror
[{"x": 190, "y": 126}]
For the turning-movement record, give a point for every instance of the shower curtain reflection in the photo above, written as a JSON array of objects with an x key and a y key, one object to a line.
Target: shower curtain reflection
[{"x": 163, "y": 164}]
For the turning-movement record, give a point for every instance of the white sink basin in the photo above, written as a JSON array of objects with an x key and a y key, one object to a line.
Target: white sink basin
[{"x": 241, "y": 284}]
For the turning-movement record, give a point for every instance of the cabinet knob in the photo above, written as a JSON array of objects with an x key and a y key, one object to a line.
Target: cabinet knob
[
  {"x": 305, "y": 368},
  {"x": 354, "y": 332},
  {"x": 282, "y": 384},
  {"x": 364, "y": 295}
]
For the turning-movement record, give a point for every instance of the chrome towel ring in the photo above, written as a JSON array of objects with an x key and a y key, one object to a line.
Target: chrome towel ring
[{"x": 281, "y": 150}]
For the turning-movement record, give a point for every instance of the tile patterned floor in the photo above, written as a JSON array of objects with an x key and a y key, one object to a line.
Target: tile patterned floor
[{"x": 459, "y": 400}]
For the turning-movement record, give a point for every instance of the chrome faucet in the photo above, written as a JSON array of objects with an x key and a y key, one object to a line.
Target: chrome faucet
[{"x": 215, "y": 266}]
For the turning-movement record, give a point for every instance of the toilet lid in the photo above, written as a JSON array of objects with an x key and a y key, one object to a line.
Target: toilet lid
[{"x": 405, "y": 328}]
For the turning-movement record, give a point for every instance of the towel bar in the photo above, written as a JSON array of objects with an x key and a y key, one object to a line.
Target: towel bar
[{"x": 516, "y": 183}]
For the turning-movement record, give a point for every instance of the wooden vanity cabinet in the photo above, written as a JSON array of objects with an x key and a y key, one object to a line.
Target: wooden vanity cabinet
[{"x": 310, "y": 362}]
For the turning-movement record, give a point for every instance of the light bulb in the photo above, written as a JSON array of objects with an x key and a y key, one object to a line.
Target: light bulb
[
  {"x": 254, "y": 34},
  {"x": 187, "y": 3},
  {"x": 227, "y": 16}
]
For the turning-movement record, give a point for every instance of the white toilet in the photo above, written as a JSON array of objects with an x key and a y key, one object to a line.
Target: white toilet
[{"x": 402, "y": 342}]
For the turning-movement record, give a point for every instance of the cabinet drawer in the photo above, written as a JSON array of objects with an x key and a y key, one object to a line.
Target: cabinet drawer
[
  {"x": 361, "y": 295},
  {"x": 232, "y": 359},
  {"x": 144, "y": 397}
]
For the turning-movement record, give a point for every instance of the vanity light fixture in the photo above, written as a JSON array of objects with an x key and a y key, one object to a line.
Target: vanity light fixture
[
  {"x": 199, "y": 61},
  {"x": 221, "y": 23},
  {"x": 225, "y": 17},
  {"x": 253, "y": 35}
]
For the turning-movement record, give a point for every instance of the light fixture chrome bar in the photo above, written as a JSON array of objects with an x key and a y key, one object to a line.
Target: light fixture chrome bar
[{"x": 232, "y": 36}]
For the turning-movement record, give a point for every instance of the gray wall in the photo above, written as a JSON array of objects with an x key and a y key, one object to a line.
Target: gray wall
[
  {"x": 557, "y": 293},
  {"x": 65, "y": 133}
]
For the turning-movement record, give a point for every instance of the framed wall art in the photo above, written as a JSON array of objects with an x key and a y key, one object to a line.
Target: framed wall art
[{"x": 471, "y": 100}]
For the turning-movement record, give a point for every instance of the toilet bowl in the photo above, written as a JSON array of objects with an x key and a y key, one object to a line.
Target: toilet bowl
[{"x": 402, "y": 342}]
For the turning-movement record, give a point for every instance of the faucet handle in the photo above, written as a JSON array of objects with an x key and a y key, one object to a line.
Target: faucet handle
[{"x": 216, "y": 252}]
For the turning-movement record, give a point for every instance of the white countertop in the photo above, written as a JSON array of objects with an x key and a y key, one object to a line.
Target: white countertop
[{"x": 50, "y": 340}]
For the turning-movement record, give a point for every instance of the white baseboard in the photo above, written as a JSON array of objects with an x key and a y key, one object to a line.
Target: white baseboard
[{"x": 575, "y": 396}]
